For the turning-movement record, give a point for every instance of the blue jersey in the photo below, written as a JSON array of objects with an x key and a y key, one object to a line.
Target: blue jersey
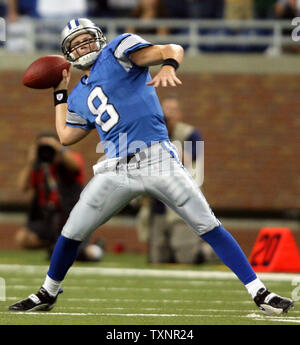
[{"x": 116, "y": 100}]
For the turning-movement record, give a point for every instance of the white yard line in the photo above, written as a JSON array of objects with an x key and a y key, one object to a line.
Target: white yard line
[
  {"x": 104, "y": 271},
  {"x": 126, "y": 289},
  {"x": 259, "y": 317},
  {"x": 160, "y": 282},
  {"x": 111, "y": 314},
  {"x": 252, "y": 316},
  {"x": 142, "y": 300}
]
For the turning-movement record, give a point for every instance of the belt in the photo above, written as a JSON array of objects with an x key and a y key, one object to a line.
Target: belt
[{"x": 134, "y": 158}]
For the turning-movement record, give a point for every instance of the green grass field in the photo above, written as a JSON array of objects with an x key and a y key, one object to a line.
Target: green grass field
[{"x": 124, "y": 290}]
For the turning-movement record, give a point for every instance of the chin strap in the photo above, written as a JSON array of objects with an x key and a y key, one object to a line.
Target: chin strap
[{"x": 86, "y": 60}]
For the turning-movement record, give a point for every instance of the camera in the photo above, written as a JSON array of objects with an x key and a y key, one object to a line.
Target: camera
[{"x": 45, "y": 154}]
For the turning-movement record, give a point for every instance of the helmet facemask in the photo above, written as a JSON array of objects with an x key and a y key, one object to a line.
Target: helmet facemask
[{"x": 97, "y": 38}]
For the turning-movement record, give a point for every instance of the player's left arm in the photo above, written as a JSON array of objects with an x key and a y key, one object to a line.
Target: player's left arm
[
  {"x": 156, "y": 55},
  {"x": 67, "y": 135}
]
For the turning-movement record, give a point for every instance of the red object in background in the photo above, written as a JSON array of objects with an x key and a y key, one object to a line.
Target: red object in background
[
  {"x": 275, "y": 250},
  {"x": 118, "y": 248}
]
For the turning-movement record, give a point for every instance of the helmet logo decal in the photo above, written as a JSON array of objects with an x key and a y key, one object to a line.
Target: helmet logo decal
[{"x": 73, "y": 23}]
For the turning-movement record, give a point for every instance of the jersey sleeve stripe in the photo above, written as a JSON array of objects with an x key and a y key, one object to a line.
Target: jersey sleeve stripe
[
  {"x": 128, "y": 43},
  {"x": 73, "y": 118},
  {"x": 126, "y": 46},
  {"x": 78, "y": 125}
]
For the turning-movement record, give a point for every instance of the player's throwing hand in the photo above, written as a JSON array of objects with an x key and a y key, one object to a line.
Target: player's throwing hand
[{"x": 63, "y": 85}]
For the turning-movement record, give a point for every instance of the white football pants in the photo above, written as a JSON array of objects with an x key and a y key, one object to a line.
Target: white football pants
[{"x": 157, "y": 172}]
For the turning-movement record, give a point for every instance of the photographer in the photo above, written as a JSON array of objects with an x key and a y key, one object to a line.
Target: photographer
[{"x": 53, "y": 175}]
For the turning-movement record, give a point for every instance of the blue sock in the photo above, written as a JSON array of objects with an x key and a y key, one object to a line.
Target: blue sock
[
  {"x": 228, "y": 250},
  {"x": 63, "y": 256}
]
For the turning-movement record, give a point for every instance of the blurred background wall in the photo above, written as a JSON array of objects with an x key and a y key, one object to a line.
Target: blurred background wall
[{"x": 249, "y": 123}]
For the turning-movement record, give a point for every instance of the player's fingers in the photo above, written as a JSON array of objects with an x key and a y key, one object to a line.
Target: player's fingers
[
  {"x": 64, "y": 81},
  {"x": 172, "y": 82},
  {"x": 157, "y": 83},
  {"x": 164, "y": 83},
  {"x": 178, "y": 81},
  {"x": 154, "y": 82},
  {"x": 64, "y": 73}
]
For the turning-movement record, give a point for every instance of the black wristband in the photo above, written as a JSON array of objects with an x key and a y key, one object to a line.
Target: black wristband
[
  {"x": 171, "y": 62},
  {"x": 60, "y": 96}
]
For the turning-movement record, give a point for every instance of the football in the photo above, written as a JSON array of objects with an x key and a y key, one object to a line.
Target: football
[{"x": 45, "y": 72}]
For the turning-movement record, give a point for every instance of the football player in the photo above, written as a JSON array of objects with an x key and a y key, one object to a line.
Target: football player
[{"x": 117, "y": 96}]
